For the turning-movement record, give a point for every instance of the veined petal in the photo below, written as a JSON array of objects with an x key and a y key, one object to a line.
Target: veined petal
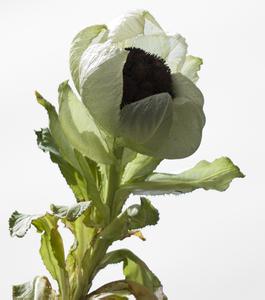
[
  {"x": 191, "y": 67},
  {"x": 157, "y": 44},
  {"x": 101, "y": 81},
  {"x": 187, "y": 120},
  {"x": 185, "y": 88},
  {"x": 84, "y": 39},
  {"x": 79, "y": 127},
  {"x": 172, "y": 49},
  {"x": 145, "y": 123},
  {"x": 133, "y": 23},
  {"x": 177, "y": 52}
]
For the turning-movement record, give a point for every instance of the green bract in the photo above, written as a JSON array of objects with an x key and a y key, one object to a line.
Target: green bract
[{"x": 158, "y": 125}]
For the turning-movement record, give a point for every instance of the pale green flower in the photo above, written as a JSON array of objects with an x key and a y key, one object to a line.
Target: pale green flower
[{"x": 163, "y": 122}]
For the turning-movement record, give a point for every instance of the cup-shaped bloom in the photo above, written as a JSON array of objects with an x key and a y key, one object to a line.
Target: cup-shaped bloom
[{"x": 139, "y": 84}]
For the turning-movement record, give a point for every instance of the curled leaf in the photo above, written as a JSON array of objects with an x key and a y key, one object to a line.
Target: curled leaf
[
  {"x": 215, "y": 176},
  {"x": 37, "y": 289}
]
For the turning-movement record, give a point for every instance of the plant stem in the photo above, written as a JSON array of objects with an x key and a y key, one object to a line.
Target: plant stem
[{"x": 96, "y": 252}]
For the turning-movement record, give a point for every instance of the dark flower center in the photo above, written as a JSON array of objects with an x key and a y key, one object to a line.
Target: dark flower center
[{"x": 144, "y": 75}]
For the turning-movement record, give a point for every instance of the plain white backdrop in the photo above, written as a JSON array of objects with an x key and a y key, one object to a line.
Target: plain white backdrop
[{"x": 207, "y": 245}]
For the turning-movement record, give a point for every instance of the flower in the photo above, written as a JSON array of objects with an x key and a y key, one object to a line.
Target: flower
[{"x": 139, "y": 85}]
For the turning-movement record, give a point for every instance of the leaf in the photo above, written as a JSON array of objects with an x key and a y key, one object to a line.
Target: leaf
[
  {"x": 216, "y": 176},
  {"x": 19, "y": 224},
  {"x": 51, "y": 250},
  {"x": 75, "y": 260},
  {"x": 80, "y": 128},
  {"x": 57, "y": 133},
  {"x": 123, "y": 287},
  {"x": 45, "y": 141},
  {"x": 134, "y": 269},
  {"x": 85, "y": 185},
  {"x": 90, "y": 172},
  {"x": 74, "y": 179},
  {"x": 70, "y": 213},
  {"x": 127, "y": 156},
  {"x": 72, "y": 176},
  {"x": 37, "y": 289},
  {"x": 139, "y": 168},
  {"x": 134, "y": 217}
]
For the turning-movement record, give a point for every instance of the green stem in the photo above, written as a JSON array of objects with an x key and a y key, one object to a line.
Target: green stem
[{"x": 90, "y": 263}]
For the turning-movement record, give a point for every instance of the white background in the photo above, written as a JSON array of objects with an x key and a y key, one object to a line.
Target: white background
[{"x": 207, "y": 245}]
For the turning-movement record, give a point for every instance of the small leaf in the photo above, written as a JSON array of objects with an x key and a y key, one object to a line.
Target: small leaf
[
  {"x": 46, "y": 142},
  {"x": 137, "y": 233},
  {"x": 139, "y": 168},
  {"x": 37, "y": 289},
  {"x": 134, "y": 269},
  {"x": 122, "y": 287},
  {"x": 51, "y": 250},
  {"x": 70, "y": 213},
  {"x": 216, "y": 176},
  {"x": 19, "y": 224},
  {"x": 57, "y": 133},
  {"x": 135, "y": 217}
]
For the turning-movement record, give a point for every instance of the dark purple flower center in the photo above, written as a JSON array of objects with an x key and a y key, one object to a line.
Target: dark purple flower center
[{"x": 144, "y": 75}]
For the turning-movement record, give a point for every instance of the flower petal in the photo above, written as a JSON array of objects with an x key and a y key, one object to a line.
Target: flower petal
[
  {"x": 177, "y": 52},
  {"x": 155, "y": 44},
  {"x": 188, "y": 120},
  {"x": 79, "y": 127},
  {"x": 101, "y": 82},
  {"x": 133, "y": 23},
  {"x": 85, "y": 38},
  {"x": 145, "y": 123},
  {"x": 191, "y": 67}
]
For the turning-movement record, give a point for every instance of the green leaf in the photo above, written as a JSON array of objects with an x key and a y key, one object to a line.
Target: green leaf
[
  {"x": 122, "y": 287},
  {"x": 37, "y": 289},
  {"x": 75, "y": 260},
  {"x": 127, "y": 156},
  {"x": 139, "y": 168},
  {"x": 134, "y": 217},
  {"x": 19, "y": 224},
  {"x": 51, "y": 250},
  {"x": 91, "y": 172},
  {"x": 134, "y": 269},
  {"x": 57, "y": 133},
  {"x": 80, "y": 128},
  {"x": 84, "y": 39},
  {"x": 45, "y": 141},
  {"x": 70, "y": 213},
  {"x": 215, "y": 176},
  {"x": 73, "y": 177},
  {"x": 85, "y": 185}
]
